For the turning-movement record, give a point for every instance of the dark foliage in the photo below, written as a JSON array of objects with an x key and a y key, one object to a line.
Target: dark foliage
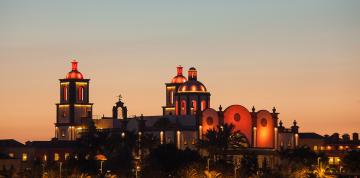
[
  {"x": 352, "y": 161},
  {"x": 168, "y": 160}
]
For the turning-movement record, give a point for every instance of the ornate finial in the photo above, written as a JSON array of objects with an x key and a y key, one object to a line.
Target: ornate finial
[
  {"x": 294, "y": 122},
  {"x": 220, "y": 108},
  {"x": 120, "y": 97},
  {"x": 281, "y": 123},
  {"x": 253, "y": 109},
  {"x": 74, "y": 64},
  {"x": 274, "y": 109}
]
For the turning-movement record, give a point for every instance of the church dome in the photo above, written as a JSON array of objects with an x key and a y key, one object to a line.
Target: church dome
[
  {"x": 74, "y": 73},
  {"x": 192, "y": 86},
  {"x": 179, "y": 78}
]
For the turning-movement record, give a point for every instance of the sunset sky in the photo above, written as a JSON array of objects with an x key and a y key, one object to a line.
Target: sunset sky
[{"x": 302, "y": 57}]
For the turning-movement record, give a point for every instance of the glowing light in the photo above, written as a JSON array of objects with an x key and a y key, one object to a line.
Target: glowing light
[
  {"x": 56, "y": 157},
  {"x": 315, "y": 148},
  {"x": 178, "y": 135},
  {"x": 161, "y": 137},
  {"x": 24, "y": 157},
  {"x": 67, "y": 155},
  {"x": 11, "y": 155}
]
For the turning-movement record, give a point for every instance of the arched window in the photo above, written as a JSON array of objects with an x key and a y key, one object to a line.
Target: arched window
[
  {"x": 171, "y": 97},
  {"x": 183, "y": 107},
  {"x": 81, "y": 93},
  {"x": 203, "y": 105},
  {"x": 194, "y": 105},
  {"x": 176, "y": 107},
  {"x": 65, "y": 93}
]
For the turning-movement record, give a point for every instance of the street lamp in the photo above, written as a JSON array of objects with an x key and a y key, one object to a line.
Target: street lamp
[
  {"x": 60, "y": 169},
  {"x": 101, "y": 158}
]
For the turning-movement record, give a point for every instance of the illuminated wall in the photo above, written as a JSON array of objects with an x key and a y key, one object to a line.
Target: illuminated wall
[
  {"x": 264, "y": 130},
  {"x": 209, "y": 120},
  {"x": 240, "y": 117}
]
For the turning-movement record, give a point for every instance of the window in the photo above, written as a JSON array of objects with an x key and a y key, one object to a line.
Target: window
[
  {"x": 334, "y": 160},
  {"x": 315, "y": 148},
  {"x": 183, "y": 107},
  {"x": 24, "y": 157},
  {"x": 45, "y": 158},
  {"x": 171, "y": 97},
  {"x": 65, "y": 93},
  {"x": 67, "y": 155},
  {"x": 203, "y": 105},
  {"x": 194, "y": 105},
  {"x": 56, "y": 157},
  {"x": 237, "y": 117},
  {"x": 81, "y": 93}
]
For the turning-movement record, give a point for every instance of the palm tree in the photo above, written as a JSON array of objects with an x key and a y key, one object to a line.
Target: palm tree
[
  {"x": 320, "y": 171},
  {"x": 212, "y": 174}
]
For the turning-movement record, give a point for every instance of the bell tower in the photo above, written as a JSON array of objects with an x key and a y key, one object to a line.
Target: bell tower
[{"x": 74, "y": 108}]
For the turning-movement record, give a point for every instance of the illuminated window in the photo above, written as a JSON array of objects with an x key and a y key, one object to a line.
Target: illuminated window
[
  {"x": 194, "y": 104},
  {"x": 24, "y": 157},
  {"x": 67, "y": 156},
  {"x": 322, "y": 148},
  {"x": 185, "y": 142},
  {"x": 81, "y": 93},
  {"x": 203, "y": 105},
  {"x": 11, "y": 155},
  {"x": 334, "y": 160},
  {"x": 193, "y": 141},
  {"x": 328, "y": 147},
  {"x": 65, "y": 93},
  {"x": 56, "y": 157},
  {"x": 341, "y": 147},
  {"x": 45, "y": 158},
  {"x": 171, "y": 97},
  {"x": 315, "y": 148},
  {"x": 183, "y": 107}
]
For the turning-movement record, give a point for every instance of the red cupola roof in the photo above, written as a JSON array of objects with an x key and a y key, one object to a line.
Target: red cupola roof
[
  {"x": 192, "y": 85},
  {"x": 179, "y": 78},
  {"x": 74, "y": 73}
]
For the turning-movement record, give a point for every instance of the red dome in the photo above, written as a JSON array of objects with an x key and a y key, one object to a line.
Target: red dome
[
  {"x": 74, "y": 73},
  {"x": 192, "y": 86},
  {"x": 179, "y": 78}
]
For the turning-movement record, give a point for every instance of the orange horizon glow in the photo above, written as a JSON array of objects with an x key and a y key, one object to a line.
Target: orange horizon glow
[{"x": 301, "y": 57}]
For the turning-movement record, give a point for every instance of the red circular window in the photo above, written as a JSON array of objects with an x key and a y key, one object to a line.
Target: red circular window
[
  {"x": 237, "y": 117},
  {"x": 263, "y": 122},
  {"x": 209, "y": 120}
]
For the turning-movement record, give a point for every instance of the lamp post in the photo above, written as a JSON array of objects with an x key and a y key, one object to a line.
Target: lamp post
[
  {"x": 60, "y": 169},
  {"x": 208, "y": 164},
  {"x": 101, "y": 158}
]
